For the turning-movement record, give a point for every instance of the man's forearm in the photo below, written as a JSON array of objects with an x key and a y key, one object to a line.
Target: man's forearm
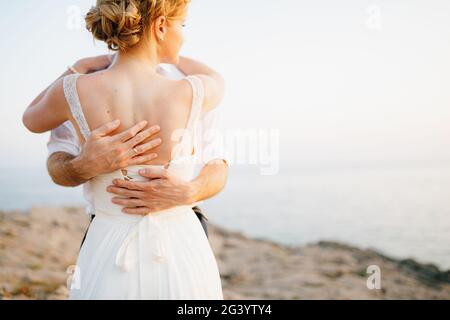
[
  {"x": 211, "y": 180},
  {"x": 64, "y": 171}
]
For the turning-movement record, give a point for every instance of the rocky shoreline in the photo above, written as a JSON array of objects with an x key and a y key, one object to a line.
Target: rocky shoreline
[{"x": 37, "y": 248}]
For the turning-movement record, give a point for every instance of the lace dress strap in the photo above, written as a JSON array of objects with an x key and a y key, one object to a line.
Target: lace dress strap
[
  {"x": 196, "y": 109},
  {"x": 197, "y": 101},
  {"x": 71, "y": 94},
  {"x": 187, "y": 147}
]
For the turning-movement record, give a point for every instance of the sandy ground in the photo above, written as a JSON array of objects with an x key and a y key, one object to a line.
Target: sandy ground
[{"x": 37, "y": 248}]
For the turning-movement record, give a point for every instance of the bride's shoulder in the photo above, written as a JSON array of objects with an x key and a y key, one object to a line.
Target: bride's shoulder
[
  {"x": 179, "y": 90},
  {"x": 95, "y": 83},
  {"x": 209, "y": 90},
  {"x": 96, "y": 78}
]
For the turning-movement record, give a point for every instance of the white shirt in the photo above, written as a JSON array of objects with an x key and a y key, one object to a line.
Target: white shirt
[{"x": 65, "y": 138}]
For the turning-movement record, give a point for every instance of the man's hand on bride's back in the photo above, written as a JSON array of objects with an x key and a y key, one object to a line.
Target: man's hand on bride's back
[{"x": 103, "y": 153}]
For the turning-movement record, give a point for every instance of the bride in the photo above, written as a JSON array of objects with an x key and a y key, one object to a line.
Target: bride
[{"x": 165, "y": 255}]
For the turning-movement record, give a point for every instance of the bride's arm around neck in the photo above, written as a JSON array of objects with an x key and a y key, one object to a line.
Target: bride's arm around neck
[
  {"x": 48, "y": 111},
  {"x": 213, "y": 82}
]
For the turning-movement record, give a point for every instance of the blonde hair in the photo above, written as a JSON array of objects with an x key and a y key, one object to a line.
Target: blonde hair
[{"x": 122, "y": 23}]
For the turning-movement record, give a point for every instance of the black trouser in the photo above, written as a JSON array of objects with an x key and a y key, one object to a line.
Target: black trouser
[{"x": 197, "y": 210}]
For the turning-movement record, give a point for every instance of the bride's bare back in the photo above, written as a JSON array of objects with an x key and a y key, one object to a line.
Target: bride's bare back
[{"x": 132, "y": 97}]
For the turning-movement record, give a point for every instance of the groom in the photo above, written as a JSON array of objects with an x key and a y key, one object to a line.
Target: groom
[{"x": 71, "y": 166}]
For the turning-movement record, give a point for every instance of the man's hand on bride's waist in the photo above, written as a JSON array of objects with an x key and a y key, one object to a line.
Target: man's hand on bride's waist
[
  {"x": 164, "y": 191},
  {"x": 103, "y": 153}
]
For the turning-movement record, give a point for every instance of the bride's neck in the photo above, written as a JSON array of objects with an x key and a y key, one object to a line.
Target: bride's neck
[{"x": 142, "y": 57}]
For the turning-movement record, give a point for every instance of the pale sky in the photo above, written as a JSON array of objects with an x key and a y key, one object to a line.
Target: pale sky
[{"x": 348, "y": 81}]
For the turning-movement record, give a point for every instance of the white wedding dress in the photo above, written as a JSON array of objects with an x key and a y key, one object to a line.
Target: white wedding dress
[{"x": 163, "y": 256}]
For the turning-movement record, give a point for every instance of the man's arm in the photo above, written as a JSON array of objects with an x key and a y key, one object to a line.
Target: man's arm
[
  {"x": 211, "y": 181},
  {"x": 166, "y": 191},
  {"x": 62, "y": 171},
  {"x": 104, "y": 154},
  {"x": 213, "y": 82}
]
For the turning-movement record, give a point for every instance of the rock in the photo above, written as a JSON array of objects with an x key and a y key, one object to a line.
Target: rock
[
  {"x": 427, "y": 273},
  {"x": 36, "y": 248}
]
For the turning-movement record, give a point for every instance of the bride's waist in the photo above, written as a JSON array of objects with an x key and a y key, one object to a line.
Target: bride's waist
[
  {"x": 101, "y": 182},
  {"x": 130, "y": 173},
  {"x": 102, "y": 199}
]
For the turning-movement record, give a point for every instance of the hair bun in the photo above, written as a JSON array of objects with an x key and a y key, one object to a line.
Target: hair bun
[{"x": 116, "y": 22}]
